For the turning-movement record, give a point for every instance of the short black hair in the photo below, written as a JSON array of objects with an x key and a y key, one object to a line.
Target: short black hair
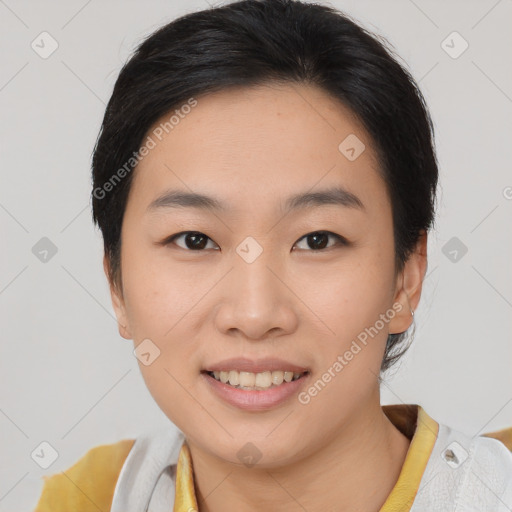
[{"x": 255, "y": 42}]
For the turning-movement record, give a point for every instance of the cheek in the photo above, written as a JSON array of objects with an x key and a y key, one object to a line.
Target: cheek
[
  {"x": 350, "y": 300},
  {"x": 349, "y": 296},
  {"x": 157, "y": 294},
  {"x": 162, "y": 304},
  {"x": 350, "y": 353}
]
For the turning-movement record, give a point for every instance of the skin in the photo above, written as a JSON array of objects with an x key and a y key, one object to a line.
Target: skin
[{"x": 252, "y": 148}]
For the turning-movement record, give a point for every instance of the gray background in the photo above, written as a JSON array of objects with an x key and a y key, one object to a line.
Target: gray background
[{"x": 69, "y": 379}]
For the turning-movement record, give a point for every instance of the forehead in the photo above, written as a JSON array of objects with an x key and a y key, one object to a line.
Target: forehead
[{"x": 251, "y": 144}]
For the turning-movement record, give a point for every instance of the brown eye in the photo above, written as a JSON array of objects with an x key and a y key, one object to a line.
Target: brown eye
[
  {"x": 318, "y": 240},
  {"x": 193, "y": 240}
]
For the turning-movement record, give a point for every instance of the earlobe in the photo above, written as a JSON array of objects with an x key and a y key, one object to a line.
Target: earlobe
[
  {"x": 117, "y": 304},
  {"x": 409, "y": 286}
]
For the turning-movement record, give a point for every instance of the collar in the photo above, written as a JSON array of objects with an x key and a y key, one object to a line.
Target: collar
[{"x": 410, "y": 419}]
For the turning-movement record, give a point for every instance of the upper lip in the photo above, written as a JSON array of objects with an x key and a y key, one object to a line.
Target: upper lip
[{"x": 242, "y": 364}]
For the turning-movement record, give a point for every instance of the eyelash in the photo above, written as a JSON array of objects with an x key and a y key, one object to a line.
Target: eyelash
[{"x": 340, "y": 240}]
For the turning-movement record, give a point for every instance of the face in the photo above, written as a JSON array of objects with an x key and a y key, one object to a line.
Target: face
[{"x": 262, "y": 277}]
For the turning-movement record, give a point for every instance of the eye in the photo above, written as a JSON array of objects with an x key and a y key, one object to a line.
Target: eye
[
  {"x": 194, "y": 240},
  {"x": 318, "y": 240}
]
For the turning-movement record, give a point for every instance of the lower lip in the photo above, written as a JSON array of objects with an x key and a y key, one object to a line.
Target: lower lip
[{"x": 255, "y": 400}]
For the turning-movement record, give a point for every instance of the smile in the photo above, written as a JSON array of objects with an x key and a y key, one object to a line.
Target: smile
[
  {"x": 265, "y": 390},
  {"x": 255, "y": 381}
]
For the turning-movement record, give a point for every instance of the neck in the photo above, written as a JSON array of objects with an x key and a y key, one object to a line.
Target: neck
[{"x": 356, "y": 470}]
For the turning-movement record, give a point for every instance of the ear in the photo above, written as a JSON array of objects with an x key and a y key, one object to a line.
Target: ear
[
  {"x": 117, "y": 303},
  {"x": 409, "y": 285}
]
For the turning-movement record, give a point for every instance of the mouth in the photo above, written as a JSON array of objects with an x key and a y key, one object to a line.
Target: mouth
[{"x": 260, "y": 381}]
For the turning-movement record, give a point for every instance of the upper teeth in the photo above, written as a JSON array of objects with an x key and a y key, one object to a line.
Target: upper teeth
[{"x": 255, "y": 380}]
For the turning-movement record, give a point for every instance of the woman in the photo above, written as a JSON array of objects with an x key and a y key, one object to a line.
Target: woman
[{"x": 265, "y": 180}]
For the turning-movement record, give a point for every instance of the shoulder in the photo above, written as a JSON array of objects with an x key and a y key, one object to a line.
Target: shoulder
[
  {"x": 89, "y": 484},
  {"x": 491, "y": 456},
  {"x": 504, "y": 435},
  {"x": 488, "y": 478},
  {"x": 470, "y": 473}
]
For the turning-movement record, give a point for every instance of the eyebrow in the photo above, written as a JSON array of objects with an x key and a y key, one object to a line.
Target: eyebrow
[{"x": 183, "y": 199}]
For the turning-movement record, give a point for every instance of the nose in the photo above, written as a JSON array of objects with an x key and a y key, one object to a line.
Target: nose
[{"x": 258, "y": 303}]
